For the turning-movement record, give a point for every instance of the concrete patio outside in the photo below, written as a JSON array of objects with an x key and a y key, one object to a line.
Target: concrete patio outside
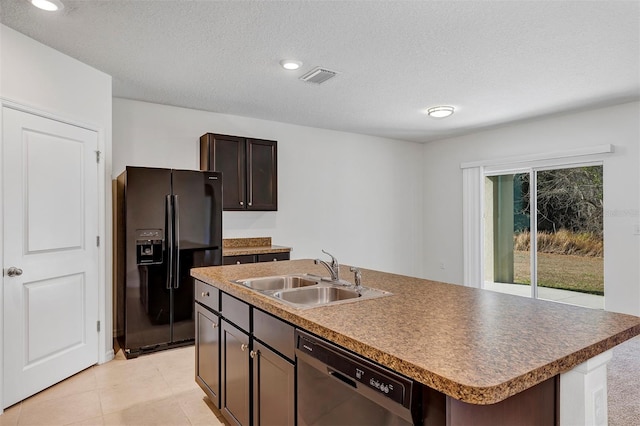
[{"x": 564, "y": 296}]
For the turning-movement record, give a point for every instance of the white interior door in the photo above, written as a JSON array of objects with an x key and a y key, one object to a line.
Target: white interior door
[{"x": 50, "y": 225}]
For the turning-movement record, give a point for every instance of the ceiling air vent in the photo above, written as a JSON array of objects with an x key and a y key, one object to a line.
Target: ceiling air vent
[{"x": 318, "y": 75}]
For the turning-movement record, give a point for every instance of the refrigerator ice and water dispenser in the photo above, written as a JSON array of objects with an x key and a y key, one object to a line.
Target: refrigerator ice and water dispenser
[{"x": 149, "y": 244}]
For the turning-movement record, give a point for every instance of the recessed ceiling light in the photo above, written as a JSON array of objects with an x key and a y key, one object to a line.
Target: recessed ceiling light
[
  {"x": 48, "y": 5},
  {"x": 290, "y": 64},
  {"x": 440, "y": 111}
]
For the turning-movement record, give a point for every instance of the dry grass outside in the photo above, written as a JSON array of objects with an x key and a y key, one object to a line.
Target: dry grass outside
[
  {"x": 584, "y": 274},
  {"x": 562, "y": 242}
]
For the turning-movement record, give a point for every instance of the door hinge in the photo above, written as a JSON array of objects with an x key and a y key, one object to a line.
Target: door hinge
[
  {"x": 98, "y": 241},
  {"x": 98, "y": 326},
  {"x": 97, "y": 156}
]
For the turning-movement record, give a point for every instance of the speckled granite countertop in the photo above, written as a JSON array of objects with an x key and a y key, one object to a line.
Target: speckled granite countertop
[
  {"x": 475, "y": 345},
  {"x": 243, "y": 246}
]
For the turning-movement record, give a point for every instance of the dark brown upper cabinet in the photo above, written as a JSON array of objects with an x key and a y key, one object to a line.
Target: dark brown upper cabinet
[{"x": 249, "y": 170}]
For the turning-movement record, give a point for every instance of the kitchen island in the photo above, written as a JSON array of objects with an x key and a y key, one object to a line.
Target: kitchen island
[{"x": 475, "y": 347}]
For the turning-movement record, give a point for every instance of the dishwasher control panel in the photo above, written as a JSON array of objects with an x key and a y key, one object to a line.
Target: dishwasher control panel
[{"x": 355, "y": 370}]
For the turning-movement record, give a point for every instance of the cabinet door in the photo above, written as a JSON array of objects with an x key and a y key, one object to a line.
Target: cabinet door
[
  {"x": 208, "y": 353},
  {"x": 262, "y": 175},
  {"x": 273, "y": 388},
  {"x": 235, "y": 392},
  {"x": 226, "y": 154}
]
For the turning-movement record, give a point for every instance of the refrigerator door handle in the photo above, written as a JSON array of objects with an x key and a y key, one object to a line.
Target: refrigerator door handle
[
  {"x": 176, "y": 218},
  {"x": 170, "y": 218},
  {"x": 250, "y": 177}
]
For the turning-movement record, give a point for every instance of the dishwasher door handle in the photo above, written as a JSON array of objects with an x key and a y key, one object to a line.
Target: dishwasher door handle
[{"x": 342, "y": 378}]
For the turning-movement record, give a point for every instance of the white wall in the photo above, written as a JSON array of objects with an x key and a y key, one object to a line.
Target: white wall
[
  {"x": 358, "y": 197},
  {"x": 43, "y": 78},
  {"x": 40, "y": 80},
  {"x": 618, "y": 125}
]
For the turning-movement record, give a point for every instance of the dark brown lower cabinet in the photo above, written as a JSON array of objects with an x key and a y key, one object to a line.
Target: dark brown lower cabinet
[
  {"x": 253, "y": 258},
  {"x": 538, "y": 405},
  {"x": 273, "y": 388},
  {"x": 235, "y": 396},
  {"x": 208, "y": 353},
  {"x": 239, "y": 260},
  {"x": 272, "y": 257},
  {"x": 245, "y": 364}
]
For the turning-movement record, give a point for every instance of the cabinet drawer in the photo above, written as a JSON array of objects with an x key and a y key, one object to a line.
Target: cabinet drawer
[
  {"x": 236, "y": 311},
  {"x": 274, "y": 332},
  {"x": 208, "y": 295},
  {"x": 273, "y": 257},
  {"x": 238, "y": 260}
]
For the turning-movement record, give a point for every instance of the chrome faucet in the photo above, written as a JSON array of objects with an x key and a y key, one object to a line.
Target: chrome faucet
[
  {"x": 357, "y": 275},
  {"x": 334, "y": 267}
]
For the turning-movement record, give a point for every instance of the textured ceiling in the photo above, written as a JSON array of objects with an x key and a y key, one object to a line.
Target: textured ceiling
[{"x": 495, "y": 61}]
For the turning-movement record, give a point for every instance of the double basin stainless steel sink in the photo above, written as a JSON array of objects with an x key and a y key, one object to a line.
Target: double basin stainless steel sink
[{"x": 309, "y": 291}]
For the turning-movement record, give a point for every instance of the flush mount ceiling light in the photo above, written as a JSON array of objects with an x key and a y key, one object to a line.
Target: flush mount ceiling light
[
  {"x": 441, "y": 111},
  {"x": 290, "y": 64},
  {"x": 48, "y": 5}
]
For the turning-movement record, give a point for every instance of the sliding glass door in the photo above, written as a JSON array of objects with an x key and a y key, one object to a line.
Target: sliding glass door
[
  {"x": 507, "y": 221},
  {"x": 543, "y": 234}
]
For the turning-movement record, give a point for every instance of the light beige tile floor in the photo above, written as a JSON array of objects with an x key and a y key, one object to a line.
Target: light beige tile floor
[{"x": 154, "y": 389}]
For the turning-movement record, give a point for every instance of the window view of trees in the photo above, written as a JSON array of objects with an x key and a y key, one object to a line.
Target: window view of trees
[
  {"x": 569, "y": 221},
  {"x": 570, "y": 229},
  {"x": 568, "y": 199}
]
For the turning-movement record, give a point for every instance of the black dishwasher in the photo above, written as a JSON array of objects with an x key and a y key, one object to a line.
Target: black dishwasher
[{"x": 337, "y": 387}]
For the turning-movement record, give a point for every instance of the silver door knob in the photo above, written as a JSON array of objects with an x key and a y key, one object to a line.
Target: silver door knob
[
  {"x": 214, "y": 325},
  {"x": 14, "y": 272},
  {"x": 254, "y": 354},
  {"x": 244, "y": 347}
]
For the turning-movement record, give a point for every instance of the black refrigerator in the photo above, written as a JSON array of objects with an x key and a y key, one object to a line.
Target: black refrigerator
[{"x": 167, "y": 221}]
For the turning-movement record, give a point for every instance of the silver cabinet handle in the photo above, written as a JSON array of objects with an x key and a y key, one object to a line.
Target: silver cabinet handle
[
  {"x": 242, "y": 203},
  {"x": 14, "y": 272},
  {"x": 244, "y": 347},
  {"x": 238, "y": 262},
  {"x": 205, "y": 294},
  {"x": 214, "y": 325},
  {"x": 254, "y": 354},
  {"x": 275, "y": 260}
]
